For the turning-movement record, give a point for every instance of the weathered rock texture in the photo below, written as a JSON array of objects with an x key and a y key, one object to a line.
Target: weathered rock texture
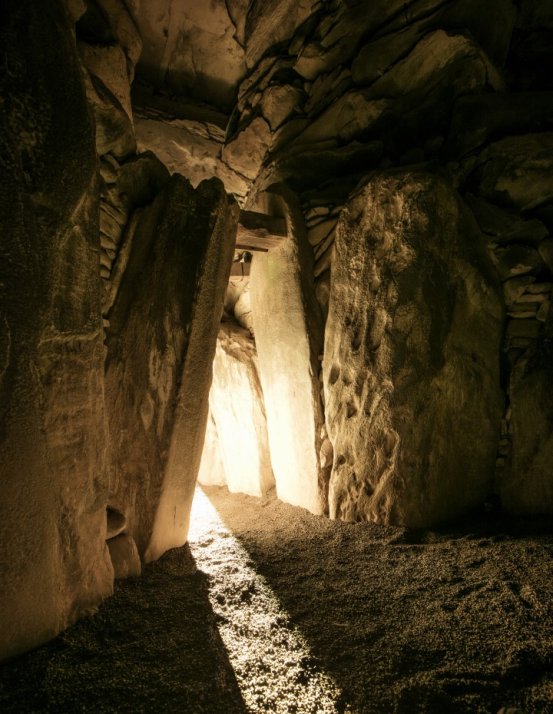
[
  {"x": 72, "y": 476},
  {"x": 236, "y": 451},
  {"x": 164, "y": 261},
  {"x": 527, "y": 483},
  {"x": 109, "y": 46},
  {"x": 54, "y": 563},
  {"x": 160, "y": 345},
  {"x": 188, "y": 145},
  {"x": 213, "y": 231},
  {"x": 288, "y": 338},
  {"x": 127, "y": 189},
  {"x": 418, "y": 96},
  {"x": 212, "y": 470},
  {"x": 124, "y": 556},
  {"x": 512, "y": 181},
  {"x": 411, "y": 365},
  {"x": 192, "y": 48}
]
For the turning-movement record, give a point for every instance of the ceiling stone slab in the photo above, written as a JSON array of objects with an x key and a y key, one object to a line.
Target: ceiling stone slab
[{"x": 191, "y": 48}]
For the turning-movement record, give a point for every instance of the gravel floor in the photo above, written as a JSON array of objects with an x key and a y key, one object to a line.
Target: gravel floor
[{"x": 274, "y": 610}]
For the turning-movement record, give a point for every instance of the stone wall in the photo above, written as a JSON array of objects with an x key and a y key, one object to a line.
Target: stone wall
[
  {"x": 164, "y": 262},
  {"x": 113, "y": 279},
  {"x": 459, "y": 92},
  {"x": 54, "y": 564},
  {"x": 414, "y": 140},
  {"x": 411, "y": 364}
]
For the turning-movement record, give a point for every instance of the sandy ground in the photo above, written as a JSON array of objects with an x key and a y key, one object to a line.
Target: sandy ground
[{"x": 274, "y": 610}]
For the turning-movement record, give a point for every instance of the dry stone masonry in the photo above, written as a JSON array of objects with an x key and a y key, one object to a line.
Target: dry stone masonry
[{"x": 387, "y": 359}]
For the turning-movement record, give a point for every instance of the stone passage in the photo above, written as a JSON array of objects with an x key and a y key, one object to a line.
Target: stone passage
[{"x": 320, "y": 232}]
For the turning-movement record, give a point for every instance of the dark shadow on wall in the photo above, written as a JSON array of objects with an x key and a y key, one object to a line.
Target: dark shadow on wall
[{"x": 152, "y": 647}]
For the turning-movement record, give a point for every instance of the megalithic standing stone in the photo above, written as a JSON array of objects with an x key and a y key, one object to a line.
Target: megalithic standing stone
[
  {"x": 161, "y": 343},
  {"x": 54, "y": 563}
]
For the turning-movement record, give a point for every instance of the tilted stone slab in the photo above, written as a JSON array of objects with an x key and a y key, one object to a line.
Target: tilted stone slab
[
  {"x": 526, "y": 487},
  {"x": 161, "y": 341}
]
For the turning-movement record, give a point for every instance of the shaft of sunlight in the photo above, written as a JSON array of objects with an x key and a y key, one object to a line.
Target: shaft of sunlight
[{"x": 270, "y": 658}]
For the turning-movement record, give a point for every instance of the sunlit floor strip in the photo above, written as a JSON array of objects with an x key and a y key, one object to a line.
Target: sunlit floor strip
[{"x": 269, "y": 656}]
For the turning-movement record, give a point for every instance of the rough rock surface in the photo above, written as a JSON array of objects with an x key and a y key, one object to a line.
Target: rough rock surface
[
  {"x": 279, "y": 611},
  {"x": 108, "y": 23},
  {"x": 191, "y": 48},
  {"x": 108, "y": 91},
  {"x": 127, "y": 189},
  {"x": 518, "y": 171},
  {"x": 189, "y": 146},
  {"x": 160, "y": 342},
  {"x": 109, "y": 46},
  {"x": 526, "y": 487},
  {"x": 321, "y": 95},
  {"x": 215, "y": 222},
  {"x": 124, "y": 556},
  {"x": 238, "y": 443},
  {"x": 54, "y": 564},
  {"x": 411, "y": 363},
  {"x": 211, "y": 471},
  {"x": 310, "y": 90},
  {"x": 288, "y": 338}
]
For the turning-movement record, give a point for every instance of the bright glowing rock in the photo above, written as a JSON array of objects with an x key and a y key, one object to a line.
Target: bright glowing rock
[
  {"x": 237, "y": 442},
  {"x": 286, "y": 321}
]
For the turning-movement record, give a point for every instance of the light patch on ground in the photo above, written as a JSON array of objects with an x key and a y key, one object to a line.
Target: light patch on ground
[{"x": 271, "y": 660}]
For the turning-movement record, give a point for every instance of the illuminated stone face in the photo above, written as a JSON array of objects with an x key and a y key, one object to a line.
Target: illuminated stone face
[
  {"x": 411, "y": 141},
  {"x": 236, "y": 451},
  {"x": 290, "y": 393},
  {"x": 411, "y": 368},
  {"x": 286, "y": 325}
]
